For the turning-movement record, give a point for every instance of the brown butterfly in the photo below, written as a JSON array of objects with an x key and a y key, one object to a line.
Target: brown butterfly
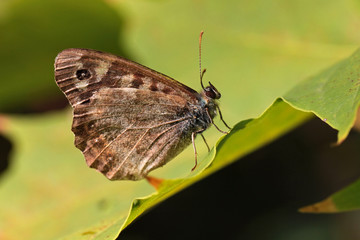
[{"x": 129, "y": 119}]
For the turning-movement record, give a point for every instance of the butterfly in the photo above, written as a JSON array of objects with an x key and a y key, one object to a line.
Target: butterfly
[{"x": 129, "y": 119}]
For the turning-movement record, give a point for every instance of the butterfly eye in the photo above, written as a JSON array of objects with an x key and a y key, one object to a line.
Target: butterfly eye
[
  {"x": 83, "y": 74},
  {"x": 212, "y": 92}
]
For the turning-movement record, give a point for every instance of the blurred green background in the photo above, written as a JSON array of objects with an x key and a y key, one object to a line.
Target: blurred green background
[{"x": 254, "y": 51}]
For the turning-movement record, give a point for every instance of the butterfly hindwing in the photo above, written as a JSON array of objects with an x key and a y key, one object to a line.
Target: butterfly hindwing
[{"x": 123, "y": 144}]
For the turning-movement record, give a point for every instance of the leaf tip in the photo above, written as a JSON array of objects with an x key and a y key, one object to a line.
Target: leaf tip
[
  {"x": 325, "y": 206},
  {"x": 3, "y": 123}
]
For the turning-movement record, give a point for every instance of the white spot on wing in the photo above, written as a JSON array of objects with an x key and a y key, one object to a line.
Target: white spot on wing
[
  {"x": 82, "y": 84},
  {"x": 127, "y": 79},
  {"x": 101, "y": 70},
  {"x": 147, "y": 82},
  {"x": 79, "y": 65}
]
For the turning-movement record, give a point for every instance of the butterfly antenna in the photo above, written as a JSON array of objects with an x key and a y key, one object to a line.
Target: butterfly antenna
[{"x": 201, "y": 71}]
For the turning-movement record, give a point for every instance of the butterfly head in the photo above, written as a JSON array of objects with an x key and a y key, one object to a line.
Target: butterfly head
[{"x": 211, "y": 92}]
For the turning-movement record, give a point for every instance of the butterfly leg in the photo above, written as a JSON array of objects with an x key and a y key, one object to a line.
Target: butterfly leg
[
  {"x": 193, "y": 135},
  {"x": 221, "y": 117},
  {"x": 212, "y": 122},
  {"x": 195, "y": 152},
  {"x": 205, "y": 142}
]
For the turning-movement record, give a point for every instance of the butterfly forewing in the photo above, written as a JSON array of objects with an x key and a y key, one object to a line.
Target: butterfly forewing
[
  {"x": 107, "y": 70},
  {"x": 128, "y": 119}
]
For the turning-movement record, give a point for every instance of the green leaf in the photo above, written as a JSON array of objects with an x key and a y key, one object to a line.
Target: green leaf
[
  {"x": 49, "y": 178},
  {"x": 254, "y": 52},
  {"x": 333, "y": 95}
]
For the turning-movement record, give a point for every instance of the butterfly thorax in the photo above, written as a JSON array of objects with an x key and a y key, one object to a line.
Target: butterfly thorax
[
  {"x": 209, "y": 95},
  {"x": 206, "y": 110}
]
